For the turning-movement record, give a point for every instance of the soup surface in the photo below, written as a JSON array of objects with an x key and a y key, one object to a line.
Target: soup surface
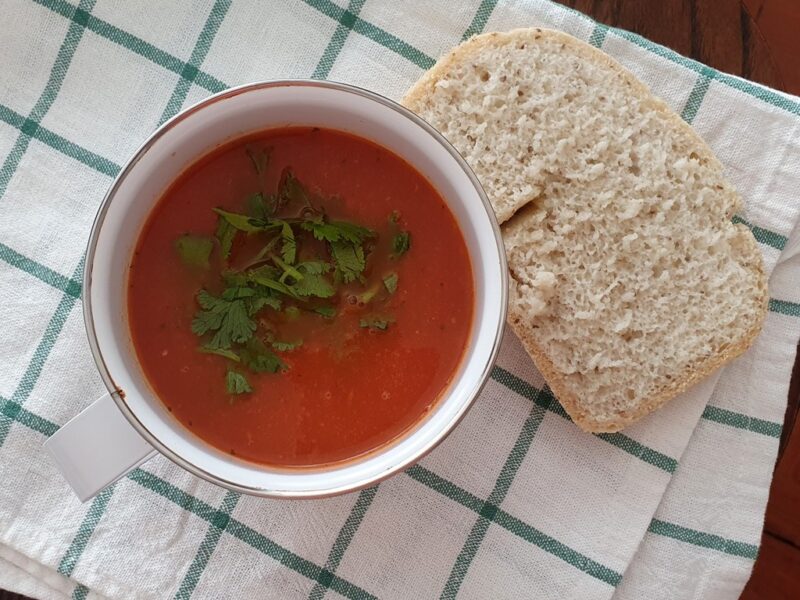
[{"x": 300, "y": 297}]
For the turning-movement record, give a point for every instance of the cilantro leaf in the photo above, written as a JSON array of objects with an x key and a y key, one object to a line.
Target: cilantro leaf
[
  {"x": 261, "y": 359},
  {"x": 225, "y": 235},
  {"x": 292, "y": 312},
  {"x": 289, "y": 248},
  {"x": 314, "y": 267},
  {"x": 335, "y": 231},
  {"x": 236, "y": 383},
  {"x": 237, "y": 293},
  {"x": 259, "y": 158},
  {"x": 258, "y": 302},
  {"x": 390, "y": 282},
  {"x": 194, "y": 250},
  {"x": 228, "y": 318},
  {"x": 240, "y": 222},
  {"x": 259, "y": 206},
  {"x": 268, "y": 277},
  {"x": 327, "y": 312},
  {"x": 313, "y": 282},
  {"x": 229, "y": 354},
  {"x": 286, "y": 346},
  {"x": 349, "y": 260},
  {"x": 401, "y": 242},
  {"x": 376, "y": 323},
  {"x": 290, "y": 189}
]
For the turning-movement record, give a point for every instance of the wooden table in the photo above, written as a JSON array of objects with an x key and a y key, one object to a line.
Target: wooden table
[{"x": 755, "y": 39}]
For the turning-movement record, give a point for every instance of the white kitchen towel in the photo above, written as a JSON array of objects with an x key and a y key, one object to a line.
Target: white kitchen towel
[{"x": 517, "y": 502}]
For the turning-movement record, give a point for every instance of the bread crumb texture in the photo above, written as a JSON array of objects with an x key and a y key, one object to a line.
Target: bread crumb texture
[{"x": 628, "y": 280}]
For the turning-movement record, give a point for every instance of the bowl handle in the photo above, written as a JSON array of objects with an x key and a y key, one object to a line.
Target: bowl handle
[{"x": 97, "y": 447}]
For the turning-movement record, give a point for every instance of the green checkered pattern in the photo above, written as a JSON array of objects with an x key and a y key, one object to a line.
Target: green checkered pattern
[{"x": 516, "y": 502}]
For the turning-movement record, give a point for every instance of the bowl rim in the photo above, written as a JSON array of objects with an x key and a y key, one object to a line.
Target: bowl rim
[{"x": 118, "y": 394}]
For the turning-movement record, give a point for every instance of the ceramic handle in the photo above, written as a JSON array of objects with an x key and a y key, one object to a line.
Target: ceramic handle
[{"x": 97, "y": 447}]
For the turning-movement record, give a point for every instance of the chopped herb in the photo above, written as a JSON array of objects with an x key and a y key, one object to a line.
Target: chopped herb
[
  {"x": 349, "y": 259},
  {"x": 258, "y": 207},
  {"x": 286, "y": 346},
  {"x": 240, "y": 222},
  {"x": 229, "y": 319},
  {"x": 269, "y": 278},
  {"x": 336, "y": 231},
  {"x": 390, "y": 282},
  {"x": 289, "y": 248},
  {"x": 401, "y": 242},
  {"x": 327, "y": 312},
  {"x": 194, "y": 250},
  {"x": 237, "y": 293},
  {"x": 236, "y": 383},
  {"x": 226, "y": 233},
  {"x": 376, "y": 323},
  {"x": 229, "y": 354},
  {"x": 288, "y": 270},
  {"x": 313, "y": 281},
  {"x": 256, "y": 304},
  {"x": 292, "y": 258},
  {"x": 261, "y": 359},
  {"x": 259, "y": 158},
  {"x": 290, "y": 190}
]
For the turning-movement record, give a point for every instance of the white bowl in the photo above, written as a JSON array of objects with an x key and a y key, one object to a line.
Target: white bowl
[{"x": 174, "y": 146}]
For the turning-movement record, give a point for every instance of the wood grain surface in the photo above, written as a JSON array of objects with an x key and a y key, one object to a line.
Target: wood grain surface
[{"x": 756, "y": 39}]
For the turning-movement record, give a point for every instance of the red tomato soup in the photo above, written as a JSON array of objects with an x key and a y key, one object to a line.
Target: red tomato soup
[{"x": 300, "y": 297}]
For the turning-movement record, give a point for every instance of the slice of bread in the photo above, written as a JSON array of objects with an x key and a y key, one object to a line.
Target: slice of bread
[{"x": 629, "y": 281}]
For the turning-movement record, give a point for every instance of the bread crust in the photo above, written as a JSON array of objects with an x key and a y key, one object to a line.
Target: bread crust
[{"x": 521, "y": 325}]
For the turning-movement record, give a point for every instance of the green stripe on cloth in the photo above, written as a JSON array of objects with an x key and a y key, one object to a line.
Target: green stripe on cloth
[
  {"x": 343, "y": 539},
  {"x": 13, "y": 411},
  {"x": 621, "y": 441},
  {"x": 507, "y": 474},
  {"x": 480, "y": 19},
  {"x": 764, "y": 94},
  {"x": 207, "y": 546},
  {"x": 556, "y": 548},
  {"x": 34, "y": 369},
  {"x": 763, "y": 236},
  {"x": 598, "y": 36},
  {"x": 135, "y": 45},
  {"x": 336, "y": 42},
  {"x": 741, "y": 421},
  {"x": 514, "y": 525},
  {"x": 42, "y": 273},
  {"x": 85, "y": 531},
  {"x": 61, "y": 144},
  {"x": 199, "y": 53},
  {"x": 80, "y": 592},
  {"x": 376, "y": 34},
  {"x": 784, "y": 307},
  {"x": 445, "y": 487},
  {"x": 704, "y": 540},
  {"x": 55, "y": 141},
  {"x": 246, "y": 534},
  {"x": 697, "y": 95},
  {"x": 49, "y": 94}
]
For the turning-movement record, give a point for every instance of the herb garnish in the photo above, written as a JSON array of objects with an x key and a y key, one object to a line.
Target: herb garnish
[
  {"x": 307, "y": 263},
  {"x": 194, "y": 250}
]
